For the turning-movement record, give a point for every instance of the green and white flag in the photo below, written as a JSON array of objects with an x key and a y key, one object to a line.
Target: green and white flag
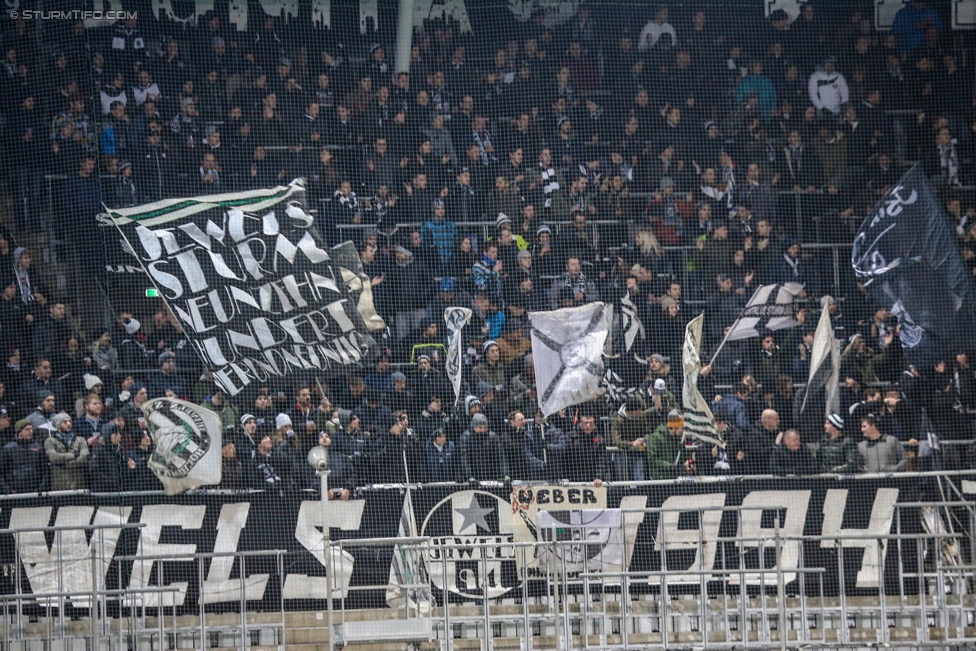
[
  {"x": 699, "y": 421},
  {"x": 187, "y": 442}
]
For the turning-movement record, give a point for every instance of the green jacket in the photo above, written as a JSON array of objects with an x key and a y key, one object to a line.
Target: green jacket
[
  {"x": 663, "y": 450},
  {"x": 839, "y": 455}
]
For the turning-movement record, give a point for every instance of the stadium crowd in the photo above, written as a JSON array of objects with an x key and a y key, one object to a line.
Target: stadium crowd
[{"x": 663, "y": 165}]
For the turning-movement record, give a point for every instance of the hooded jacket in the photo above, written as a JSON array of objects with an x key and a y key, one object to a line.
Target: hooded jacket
[
  {"x": 624, "y": 429},
  {"x": 68, "y": 455},
  {"x": 884, "y": 455},
  {"x": 23, "y": 467},
  {"x": 828, "y": 91}
]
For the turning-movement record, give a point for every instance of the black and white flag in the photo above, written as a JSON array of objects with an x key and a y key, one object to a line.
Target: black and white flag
[
  {"x": 824, "y": 376},
  {"x": 567, "y": 349},
  {"x": 247, "y": 278},
  {"x": 907, "y": 257},
  {"x": 455, "y": 318},
  {"x": 699, "y": 420},
  {"x": 630, "y": 324},
  {"x": 769, "y": 309}
]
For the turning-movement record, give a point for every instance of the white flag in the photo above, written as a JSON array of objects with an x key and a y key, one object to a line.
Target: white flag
[
  {"x": 187, "y": 444},
  {"x": 770, "y": 308},
  {"x": 597, "y": 537},
  {"x": 821, "y": 376},
  {"x": 699, "y": 420},
  {"x": 567, "y": 349},
  {"x": 455, "y": 318}
]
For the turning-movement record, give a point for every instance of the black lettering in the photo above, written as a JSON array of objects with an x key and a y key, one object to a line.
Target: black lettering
[
  {"x": 558, "y": 497},
  {"x": 589, "y": 497},
  {"x": 543, "y": 497},
  {"x": 574, "y": 496}
]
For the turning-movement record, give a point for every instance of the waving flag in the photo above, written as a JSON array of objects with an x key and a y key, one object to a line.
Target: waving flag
[
  {"x": 699, "y": 420},
  {"x": 770, "y": 308},
  {"x": 455, "y": 318},
  {"x": 187, "y": 444},
  {"x": 567, "y": 346}
]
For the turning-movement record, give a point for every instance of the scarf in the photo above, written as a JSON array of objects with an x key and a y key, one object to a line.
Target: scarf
[
  {"x": 949, "y": 164},
  {"x": 794, "y": 264},
  {"x": 577, "y": 285},
  {"x": 23, "y": 279},
  {"x": 549, "y": 185},
  {"x": 488, "y": 262},
  {"x": 349, "y": 203},
  {"x": 216, "y": 177},
  {"x": 484, "y": 141}
]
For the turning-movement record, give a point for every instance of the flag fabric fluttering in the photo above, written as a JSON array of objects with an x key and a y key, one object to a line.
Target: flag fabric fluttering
[
  {"x": 906, "y": 256},
  {"x": 699, "y": 420},
  {"x": 455, "y": 318},
  {"x": 567, "y": 349},
  {"x": 769, "y": 309},
  {"x": 187, "y": 442},
  {"x": 824, "y": 376}
]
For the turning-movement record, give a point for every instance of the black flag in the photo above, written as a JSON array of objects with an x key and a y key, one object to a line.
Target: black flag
[{"x": 907, "y": 257}]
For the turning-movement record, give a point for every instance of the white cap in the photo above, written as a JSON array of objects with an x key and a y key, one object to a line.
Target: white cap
[{"x": 282, "y": 420}]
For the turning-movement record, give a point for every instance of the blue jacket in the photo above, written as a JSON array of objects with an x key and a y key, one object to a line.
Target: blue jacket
[
  {"x": 763, "y": 87},
  {"x": 440, "y": 463},
  {"x": 734, "y": 411},
  {"x": 442, "y": 235}
]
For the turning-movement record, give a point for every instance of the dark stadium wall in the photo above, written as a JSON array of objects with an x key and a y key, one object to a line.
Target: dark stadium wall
[{"x": 455, "y": 521}]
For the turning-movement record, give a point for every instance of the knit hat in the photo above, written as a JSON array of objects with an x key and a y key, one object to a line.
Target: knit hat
[
  {"x": 345, "y": 417},
  {"x": 284, "y": 61},
  {"x": 836, "y": 421},
  {"x": 667, "y": 302},
  {"x": 633, "y": 404},
  {"x": 58, "y": 419},
  {"x": 247, "y": 418},
  {"x": 42, "y": 395},
  {"x": 397, "y": 376},
  {"x": 282, "y": 420},
  {"x": 522, "y": 254},
  {"x": 164, "y": 356},
  {"x": 448, "y": 285},
  {"x": 488, "y": 344},
  {"x": 436, "y": 203},
  {"x": 424, "y": 356},
  {"x": 217, "y": 41},
  {"x": 479, "y": 420},
  {"x": 658, "y": 356},
  {"x": 675, "y": 419},
  {"x": 91, "y": 381},
  {"x": 502, "y": 219},
  {"x": 404, "y": 250},
  {"x": 470, "y": 401},
  {"x": 483, "y": 388},
  {"x": 543, "y": 229},
  {"x": 21, "y": 424}
]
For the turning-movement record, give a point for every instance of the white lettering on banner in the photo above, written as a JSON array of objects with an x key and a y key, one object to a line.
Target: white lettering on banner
[
  {"x": 155, "y": 517},
  {"x": 219, "y": 586},
  {"x": 882, "y": 513},
  {"x": 671, "y": 538},
  {"x": 66, "y": 566},
  {"x": 446, "y": 10},
  {"x": 795, "y": 504},
  {"x": 344, "y": 515}
]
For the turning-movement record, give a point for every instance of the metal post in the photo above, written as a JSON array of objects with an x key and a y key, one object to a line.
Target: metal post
[
  {"x": 203, "y": 616},
  {"x": 780, "y": 588},
  {"x": 404, "y": 36},
  {"x": 93, "y": 617},
  {"x": 327, "y": 550}
]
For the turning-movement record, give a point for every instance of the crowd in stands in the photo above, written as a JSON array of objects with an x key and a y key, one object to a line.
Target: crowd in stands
[{"x": 588, "y": 153}]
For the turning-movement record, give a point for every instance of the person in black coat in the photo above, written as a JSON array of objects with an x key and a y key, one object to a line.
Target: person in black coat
[
  {"x": 441, "y": 458},
  {"x": 137, "y": 476},
  {"x": 482, "y": 455},
  {"x": 792, "y": 457},
  {"x": 109, "y": 463},
  {"x": 789, "y": 268},
  {"x": 586, "y": 456},
  {"x": 23, "y": 464}
]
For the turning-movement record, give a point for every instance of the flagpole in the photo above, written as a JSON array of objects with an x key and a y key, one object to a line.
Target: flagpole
[{"x": 718, "y": 350}]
